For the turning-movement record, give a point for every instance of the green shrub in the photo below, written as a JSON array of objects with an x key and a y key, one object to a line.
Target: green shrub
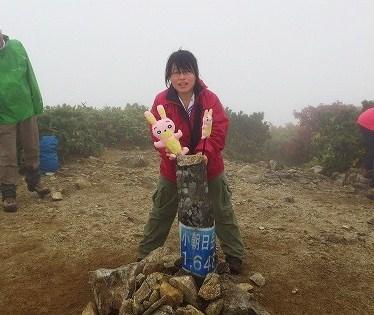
[
  {"x": 84, "y": 130},
  {"x": 325, "y": 134},
  {"x": 337, "y": 144},
  {"x": 247, "y": 136}
]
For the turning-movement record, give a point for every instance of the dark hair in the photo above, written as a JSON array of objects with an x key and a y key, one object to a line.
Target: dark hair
[{"x": 182, "y": 60}]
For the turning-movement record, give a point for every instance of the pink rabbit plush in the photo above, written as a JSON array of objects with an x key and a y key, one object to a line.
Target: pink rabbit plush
[
  {"x": 206, "y": 129},
  {"x": 163, "y": 129}
]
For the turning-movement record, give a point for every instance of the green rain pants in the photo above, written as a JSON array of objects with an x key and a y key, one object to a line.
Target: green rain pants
[{"x": 165, "y": 204}]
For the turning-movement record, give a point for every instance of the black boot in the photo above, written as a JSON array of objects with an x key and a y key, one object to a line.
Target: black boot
[
  {"x": 235, "y": 264},
  {"x": 8, "y": 192},
  {"x": 32, "y": 178}
]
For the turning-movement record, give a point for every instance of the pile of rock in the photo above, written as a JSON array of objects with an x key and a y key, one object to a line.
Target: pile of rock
[{"x": 157, "y": 286}]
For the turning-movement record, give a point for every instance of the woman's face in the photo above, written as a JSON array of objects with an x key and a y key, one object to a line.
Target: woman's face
[{"x": 183, "y": 81}]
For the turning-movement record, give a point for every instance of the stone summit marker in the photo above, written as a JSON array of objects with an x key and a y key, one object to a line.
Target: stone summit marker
[{"x": 196, "y": 221}]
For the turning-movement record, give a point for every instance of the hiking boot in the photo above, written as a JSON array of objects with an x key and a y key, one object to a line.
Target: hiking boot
[
  {"x": 40, "y": 190},
  {"x": 8, "y": 192},
  {"x": 32, "y": 177},
  {"x": 235, "y": 264},
  {"x": 10, "y": 204}
]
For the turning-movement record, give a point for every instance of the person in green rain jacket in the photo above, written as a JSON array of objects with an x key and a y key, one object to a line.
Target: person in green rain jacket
[{"x": 20, "y": 102}]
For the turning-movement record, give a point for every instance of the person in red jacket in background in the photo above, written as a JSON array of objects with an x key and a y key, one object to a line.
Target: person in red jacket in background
[
  {"x": 185, "y": 100},
  {"x": 366, "y": 124}
]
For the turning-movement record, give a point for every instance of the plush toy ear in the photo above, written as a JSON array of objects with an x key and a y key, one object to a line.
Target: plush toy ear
[
  {"x": 149, "y": 116},
  {"x": 161, "y": 111},
  {"x": 210, "y": 112},
  {"x": 205, "y": 113}
]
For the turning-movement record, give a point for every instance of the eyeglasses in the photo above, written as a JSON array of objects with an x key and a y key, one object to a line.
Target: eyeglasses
[{"x": 183, "y": 72}]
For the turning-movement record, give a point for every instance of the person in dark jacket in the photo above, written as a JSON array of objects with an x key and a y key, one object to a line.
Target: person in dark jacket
[
  {"x": 20, "y": 102},
  {"x": 185, "y": 100}
]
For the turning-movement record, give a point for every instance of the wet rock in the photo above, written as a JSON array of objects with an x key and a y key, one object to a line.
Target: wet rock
[
  {"x": 126, "y": 308},
  {"x": 90, "y": 309},
  {"x": 137, "y": 307},
  {"x": 155, "y": 296},
  {"x": 171, "y": 261},
  {"x": 82, "y": 183},
  {"x": 211, "y": 288},
  {"x": 340, "y": 179},
  {"x": 236, "y": 301},
  {"x": 143, "y": 292},
  {"x": 111, "y": 286},
  {"x": 254, "y": 179},
  {"x": 187, "y": 285},
  {"x": 174, "y": 296},
  {"x": 214, "y": 308},
  {"x": 245, "y": 286},
  {"x": 284, "y": 174},
  {"x": 140, "y": 278},
  {"x": 154, "y": 262},
  {"x": 164, "y": 310},
  {"x": 152, "y": 267},
  {"x": 262, "y": 164},
  {"x": 188, "y": 310},
  {"x": 317, "y": 169},
  {"x": 275, "y": 165},
  {"x": 154, "y": 280},
  {"x": 155, "y": 306},
  {"x": 56, "y": 196},
  {"x": 258, "y": 279}
]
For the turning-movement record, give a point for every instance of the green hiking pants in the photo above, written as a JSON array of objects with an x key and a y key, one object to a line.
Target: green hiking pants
[{"x": 165, "y": 205}]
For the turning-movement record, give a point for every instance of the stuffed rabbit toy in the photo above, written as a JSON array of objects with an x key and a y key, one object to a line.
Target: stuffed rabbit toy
[
  {"x": 207, "y": 124},
  {"x": 163, "y": 130}
]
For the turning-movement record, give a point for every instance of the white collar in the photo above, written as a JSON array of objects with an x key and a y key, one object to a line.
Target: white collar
[{"x": 190, "y": 104}]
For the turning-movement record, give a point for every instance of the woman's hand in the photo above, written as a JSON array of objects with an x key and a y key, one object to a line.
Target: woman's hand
[
  {"x": 170, "y": 155},
  {"x": 205, "y": 157}
]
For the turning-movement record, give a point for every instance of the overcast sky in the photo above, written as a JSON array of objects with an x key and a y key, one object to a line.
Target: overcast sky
[{"x": 257, "y": 55}]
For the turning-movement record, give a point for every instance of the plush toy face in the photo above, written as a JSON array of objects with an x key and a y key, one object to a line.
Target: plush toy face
[
  {"x": 208, "y": 119},
  {"x": 163, "y": 128}
]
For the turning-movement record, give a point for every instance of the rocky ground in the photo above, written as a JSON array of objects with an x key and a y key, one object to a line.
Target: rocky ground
[{"x": 311, "y": 238}]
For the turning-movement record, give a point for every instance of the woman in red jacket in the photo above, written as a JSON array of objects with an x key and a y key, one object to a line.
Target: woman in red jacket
[{"x": 185, "y": 100}]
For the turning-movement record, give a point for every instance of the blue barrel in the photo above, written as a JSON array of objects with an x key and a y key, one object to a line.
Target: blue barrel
[
  {"x": 48, "y": 154},
  {"x": 197, "y": 249}
]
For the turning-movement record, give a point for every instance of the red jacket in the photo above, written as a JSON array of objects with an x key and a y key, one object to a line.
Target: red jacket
[
  {"x": 366, "y": 119},
  {"x": 191, "y": 128}
]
